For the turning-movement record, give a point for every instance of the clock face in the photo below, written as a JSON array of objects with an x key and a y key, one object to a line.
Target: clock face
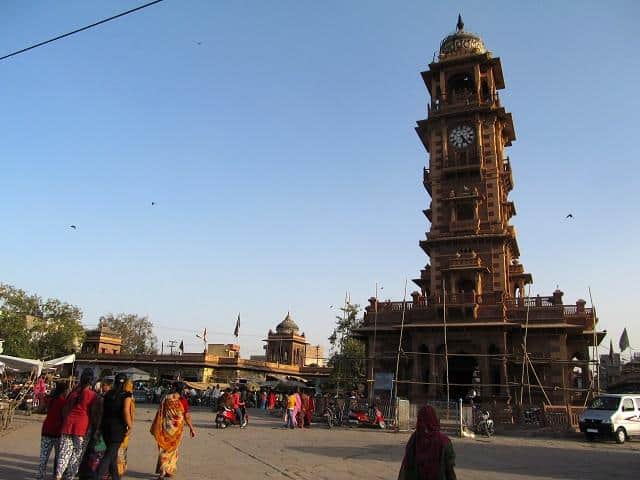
[{"x": 461, "y": 136}]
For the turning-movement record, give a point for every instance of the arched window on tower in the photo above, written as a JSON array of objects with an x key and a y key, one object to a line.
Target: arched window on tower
[{"x": 460, "y": 87}]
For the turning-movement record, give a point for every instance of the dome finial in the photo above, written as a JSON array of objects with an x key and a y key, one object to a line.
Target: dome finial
[{"x": 460, "y": 24}]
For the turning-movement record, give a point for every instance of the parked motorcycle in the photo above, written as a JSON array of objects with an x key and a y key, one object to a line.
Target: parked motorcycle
[
  {"x": 227, "y": 416},
  {"x": 484, "y": 424},
  {"x": 371, "y": 417},
  {"x": 333, "y": 416}
]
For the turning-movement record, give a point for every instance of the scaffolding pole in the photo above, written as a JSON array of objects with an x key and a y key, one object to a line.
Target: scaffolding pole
[
  {"x": 395, "y": 380},
  {"x": 524, "y": 357},
  {"x": 596, "y": 357},
  {"x": 444, "y": 323}
]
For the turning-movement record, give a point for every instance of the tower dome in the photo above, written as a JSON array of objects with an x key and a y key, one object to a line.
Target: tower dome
[
  {"x": 461, "y": 43},
  {"x": 287, "y": 326}
]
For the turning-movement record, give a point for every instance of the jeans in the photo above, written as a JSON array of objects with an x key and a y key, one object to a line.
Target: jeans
[
  {"x": 290, "y": 420},
  {"x": 240, "y": 415},
  {"x": 109, "y": 462}
]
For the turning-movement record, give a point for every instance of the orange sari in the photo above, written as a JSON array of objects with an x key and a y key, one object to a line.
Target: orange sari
[{"x": 167, "y": 429}]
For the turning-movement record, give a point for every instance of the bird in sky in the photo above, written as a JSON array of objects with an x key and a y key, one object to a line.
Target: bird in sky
[
  {"x": 153, "y": 203},
  {"x": 569, "y": 216},
  {"x": 199, "y": 43},
  {"x": 73, "y": 226}
]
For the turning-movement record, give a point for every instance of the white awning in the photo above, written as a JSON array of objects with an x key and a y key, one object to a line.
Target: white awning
[
  {"x": 22, "y": 364},
  {"x": 55, "y": 362}
]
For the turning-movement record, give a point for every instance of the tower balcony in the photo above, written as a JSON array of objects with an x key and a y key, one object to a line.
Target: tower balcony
[
  {"x": 465, "y": 226},
  {"x": 507, "y": 175},
  {"x": 463, "y": 101},
  {"x": 426, "y": 180},
  {"x": 461, "y": 162}
]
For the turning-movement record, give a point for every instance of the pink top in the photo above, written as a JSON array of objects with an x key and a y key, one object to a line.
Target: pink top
[{"x": 77, "y": 421}]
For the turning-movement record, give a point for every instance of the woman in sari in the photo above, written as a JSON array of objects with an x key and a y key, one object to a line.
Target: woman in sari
[
  {"x": 122, "y": 452},
  {"x": 167, "y": 429},
  {"x": 297, "y": 413},
  {"x": 429, "y": 454}
]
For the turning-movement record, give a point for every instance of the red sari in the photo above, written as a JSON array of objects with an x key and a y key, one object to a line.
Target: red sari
[
  {"x": 429, "y": 453},
  {"x": 272, "y": 401}
]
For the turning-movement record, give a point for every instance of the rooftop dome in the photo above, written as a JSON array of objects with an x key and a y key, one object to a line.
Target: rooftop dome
[
  {"x": 461, "y": 43},
  {"x": 287, "y": 326}
]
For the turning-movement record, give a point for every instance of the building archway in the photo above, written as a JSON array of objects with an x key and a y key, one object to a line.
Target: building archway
[
  {"x": 425, "y": 362},
  {"x": 461, "y": 368}
]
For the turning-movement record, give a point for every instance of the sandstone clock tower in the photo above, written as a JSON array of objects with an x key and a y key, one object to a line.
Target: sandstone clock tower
[
  {"x": 472, "y": 247},
  {"x": 471, "y": 327}
]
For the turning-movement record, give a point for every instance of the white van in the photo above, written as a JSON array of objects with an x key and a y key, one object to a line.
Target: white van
[{"x": 612, "y": 415}]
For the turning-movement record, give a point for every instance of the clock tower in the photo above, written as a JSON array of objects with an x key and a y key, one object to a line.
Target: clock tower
[
  {"x": 471, "y": 327},
  {"x": 472, "y": 247}
]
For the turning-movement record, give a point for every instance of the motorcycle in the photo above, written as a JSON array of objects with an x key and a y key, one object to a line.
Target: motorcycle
[
  {"x": 333, "y": 415},
  {"x": 227, "y": 416},
  {"x": 484, "y": 424},
  {"x": 371, "y": 418}
]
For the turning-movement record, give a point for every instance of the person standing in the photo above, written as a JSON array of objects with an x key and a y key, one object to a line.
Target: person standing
[
  {"x": 272, "y": 400},
  {"x": 215, "y": 396},
  {"x": 39, "y": 392},
  {"x": 124, "y": 446},
  {"x": 80, "y": 412},
  {"x": 263, "y": 400},
  {"x": 297, "y": 414},
  {"x": 116, "y": 424},
  {"x": 50, "y": 439},
  {"x": 167, "y": 429},
  {"x": 429, "y": 454},
  {"x": 291, "y": 411}
]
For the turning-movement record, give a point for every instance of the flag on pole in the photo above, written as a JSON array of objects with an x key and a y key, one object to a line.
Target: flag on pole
[
  {"x": 610, "y": 350},
  {"x": 181, "y": 347},
  {"x": 236, "y": 331},
  {"x": 624, "y": 341}
]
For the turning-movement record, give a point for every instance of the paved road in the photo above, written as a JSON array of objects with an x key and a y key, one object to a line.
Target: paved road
[{"x": 265, "y": 450}]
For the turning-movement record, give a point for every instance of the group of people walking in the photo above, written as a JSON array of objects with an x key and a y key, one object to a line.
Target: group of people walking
[
  {"x": 89, "y": 431},
  {"x": 299, "y": 411}
]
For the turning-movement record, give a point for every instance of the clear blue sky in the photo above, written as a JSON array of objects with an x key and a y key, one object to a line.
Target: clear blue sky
[{"x": 282, "y": 157}]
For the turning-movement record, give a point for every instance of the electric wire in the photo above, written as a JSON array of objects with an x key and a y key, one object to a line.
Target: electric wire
[{"x": 82, "y": 29}]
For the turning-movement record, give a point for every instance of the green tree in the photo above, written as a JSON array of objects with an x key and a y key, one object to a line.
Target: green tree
[
  {"x": 136, "y": 331},
  {"x": 347, "y": 352},
  {"x": 33, "y": 327}
]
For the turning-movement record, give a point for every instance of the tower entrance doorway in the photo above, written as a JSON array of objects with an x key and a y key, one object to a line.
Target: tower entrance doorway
[{"x": 461, "y": 370}]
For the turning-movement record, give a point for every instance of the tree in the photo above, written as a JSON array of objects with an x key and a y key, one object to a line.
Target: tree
[
  {"x": 36, "y": 328},
  {"x": 348, "y": 353},
  {"x": 136, "y": 332}
]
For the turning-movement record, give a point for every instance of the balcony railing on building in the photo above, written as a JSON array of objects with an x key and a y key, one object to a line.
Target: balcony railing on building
[
  {"x": 487, "y": 306},
  {"x": 462, "y": 100}
]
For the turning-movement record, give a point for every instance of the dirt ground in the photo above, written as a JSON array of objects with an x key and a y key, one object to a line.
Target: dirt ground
[{"x": 266, "y": 450}]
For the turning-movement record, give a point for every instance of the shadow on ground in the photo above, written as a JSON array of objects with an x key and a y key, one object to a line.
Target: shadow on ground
[{"x": 574, "y": 464}]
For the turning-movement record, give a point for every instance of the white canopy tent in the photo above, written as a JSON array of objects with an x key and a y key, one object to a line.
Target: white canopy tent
[
  {"x": 135, "y": 374},
  {"x": 22, "y": 364},
  {"x": 56, "y": 362}
]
